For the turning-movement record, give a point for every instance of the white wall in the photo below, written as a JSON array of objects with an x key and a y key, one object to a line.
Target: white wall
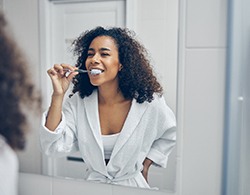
[
  {"x": 201, "y": 85},
  {"x": 201, "y": 95},
  {"x": 159, "y": 33}
]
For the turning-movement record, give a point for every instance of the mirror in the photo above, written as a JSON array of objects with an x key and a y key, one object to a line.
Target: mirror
[
  {"x": 77, "y": 19},
  {"x": 137, "y": 16}
]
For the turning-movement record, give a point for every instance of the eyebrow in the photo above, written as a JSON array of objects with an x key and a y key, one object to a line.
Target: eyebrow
[{"x": 101, "y": 49}]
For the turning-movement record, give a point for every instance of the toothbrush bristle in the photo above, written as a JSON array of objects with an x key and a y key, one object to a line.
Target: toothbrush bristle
[{"x": 95, "y": 71}]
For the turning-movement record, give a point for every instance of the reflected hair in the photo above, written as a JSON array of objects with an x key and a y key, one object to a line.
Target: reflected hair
[
  {"x": 16, "y": 90},
  {"x": 136, "y": 78}
]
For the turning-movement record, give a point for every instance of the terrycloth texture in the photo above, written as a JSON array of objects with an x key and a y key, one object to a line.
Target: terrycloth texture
[
  {"x": 8, "y": 169},
  {"x": 149, "y": 131}
]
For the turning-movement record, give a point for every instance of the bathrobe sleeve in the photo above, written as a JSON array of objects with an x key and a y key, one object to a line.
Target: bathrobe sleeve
[
  {"x": 166, "y": 135},
  {"x": 63, "y": 140}
]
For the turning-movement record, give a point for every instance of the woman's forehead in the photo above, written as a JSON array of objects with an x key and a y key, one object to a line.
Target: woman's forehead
[{"x": 103, "y": 42}]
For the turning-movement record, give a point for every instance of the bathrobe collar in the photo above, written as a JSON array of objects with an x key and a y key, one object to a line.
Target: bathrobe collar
[{"x": 135, "y": 114}]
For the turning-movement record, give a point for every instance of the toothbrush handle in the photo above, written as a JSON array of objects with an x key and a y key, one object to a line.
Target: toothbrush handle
[
  {"x": 77, "y": 70},
  {"x": 81, "y": 71}
]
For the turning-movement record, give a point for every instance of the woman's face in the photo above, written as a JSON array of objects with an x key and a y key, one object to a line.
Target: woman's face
[{"x": 103, "y": 55}]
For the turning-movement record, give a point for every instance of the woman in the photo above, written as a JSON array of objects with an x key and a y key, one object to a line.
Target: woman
[
  {"x": 17, "y": 91},
  {"x": 118, "y": 119}
]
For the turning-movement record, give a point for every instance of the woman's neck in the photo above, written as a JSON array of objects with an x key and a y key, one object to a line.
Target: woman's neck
[{"x": 110, "y": 95}]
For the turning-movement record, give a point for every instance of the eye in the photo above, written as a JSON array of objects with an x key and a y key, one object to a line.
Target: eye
[
  {"x": 90, "y": 54},
  {"x": 105, "y": 54}
]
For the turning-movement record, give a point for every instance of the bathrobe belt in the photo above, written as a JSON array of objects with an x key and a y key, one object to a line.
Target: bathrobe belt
[{"x": 95, "y": 176}]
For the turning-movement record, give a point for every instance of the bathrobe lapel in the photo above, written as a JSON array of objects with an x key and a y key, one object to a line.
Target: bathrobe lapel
[
  {"x": 91, "y": 106},
  {"x": 134, "y": 116}
]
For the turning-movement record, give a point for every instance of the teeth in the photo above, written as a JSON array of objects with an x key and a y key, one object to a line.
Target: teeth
[{"x": 95, "y": 71}]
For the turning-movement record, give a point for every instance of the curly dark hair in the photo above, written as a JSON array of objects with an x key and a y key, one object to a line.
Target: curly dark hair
[
  {"x": 16, "y": 90},
  {"x": 136, "y": 78}
]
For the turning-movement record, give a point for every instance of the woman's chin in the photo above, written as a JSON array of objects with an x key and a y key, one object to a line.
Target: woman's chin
[{"x": 96, "y": 84}]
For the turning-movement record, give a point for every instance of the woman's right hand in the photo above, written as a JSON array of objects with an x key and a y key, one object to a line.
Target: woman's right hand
[{"x": 61, "y": 80}]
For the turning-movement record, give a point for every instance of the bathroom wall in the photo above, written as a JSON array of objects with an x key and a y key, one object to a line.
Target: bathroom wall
[
  {"x": 202, "y": 68},
  {"x": 201, "y": 85},
  {"x": 161, "y": 40}
]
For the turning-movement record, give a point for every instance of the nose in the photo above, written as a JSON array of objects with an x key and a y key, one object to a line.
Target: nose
[{"x": 95, "y": 59}]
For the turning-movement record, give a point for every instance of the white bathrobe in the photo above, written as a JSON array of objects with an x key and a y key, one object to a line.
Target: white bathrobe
[
  {"x": 8, "y": 169},
  {"x": 149, "y": 131}
]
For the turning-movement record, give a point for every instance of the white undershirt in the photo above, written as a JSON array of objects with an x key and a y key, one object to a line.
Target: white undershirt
[{"x": 109, "y": 143}]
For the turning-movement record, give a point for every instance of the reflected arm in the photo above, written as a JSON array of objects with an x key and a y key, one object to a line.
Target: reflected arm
[{"x": 146, "y": 164}]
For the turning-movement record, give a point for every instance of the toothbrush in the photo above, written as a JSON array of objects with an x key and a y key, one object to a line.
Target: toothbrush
[{"x": 92, "y": 72}]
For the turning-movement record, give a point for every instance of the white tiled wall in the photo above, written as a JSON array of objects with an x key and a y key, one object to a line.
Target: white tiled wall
[
  {"x": 206, "y": 23},
  {"x": 203, "y": 121},
  {"x": 203, "y": 67}
]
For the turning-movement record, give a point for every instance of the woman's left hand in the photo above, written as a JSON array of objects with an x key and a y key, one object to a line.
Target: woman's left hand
[{"x": 146, "y": 164}]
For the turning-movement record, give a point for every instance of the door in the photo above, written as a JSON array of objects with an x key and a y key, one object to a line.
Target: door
[{"x": 69, "y": 20}]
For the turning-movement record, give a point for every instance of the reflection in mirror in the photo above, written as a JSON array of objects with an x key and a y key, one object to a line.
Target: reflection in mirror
[
  {"x": 130, "y": 121},
  {"x": 152, "y": 30}
]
